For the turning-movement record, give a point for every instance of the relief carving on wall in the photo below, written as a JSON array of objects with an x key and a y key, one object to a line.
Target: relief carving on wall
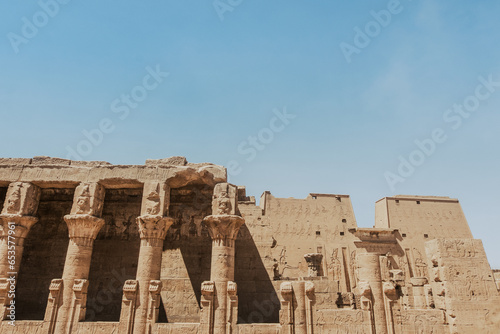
[{"x": 22, "y": 199}]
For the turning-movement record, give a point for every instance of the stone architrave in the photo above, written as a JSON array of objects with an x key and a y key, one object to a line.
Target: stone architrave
[
  {"x": 223, "y": 227},
  {"x": 153, "y": 226},
  {"x": 84, "y": 223},
  {"x": 16, "y": 220}
]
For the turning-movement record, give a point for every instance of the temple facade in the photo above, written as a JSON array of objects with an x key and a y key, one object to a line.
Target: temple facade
[{"x": 171, "y": 247}]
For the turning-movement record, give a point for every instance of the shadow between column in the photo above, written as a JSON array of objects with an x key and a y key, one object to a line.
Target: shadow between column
[{"x": 258, "y": 301}]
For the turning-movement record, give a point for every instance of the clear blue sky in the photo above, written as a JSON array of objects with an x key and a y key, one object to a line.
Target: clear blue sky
[{"x": 364, "y": 81}]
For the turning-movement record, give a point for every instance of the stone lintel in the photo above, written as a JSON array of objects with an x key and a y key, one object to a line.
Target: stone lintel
[{"x": 376, "y": 235}]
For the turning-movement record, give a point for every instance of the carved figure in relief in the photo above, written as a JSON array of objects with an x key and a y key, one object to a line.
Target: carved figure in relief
[
  {"x": 420, "y": 265},
  {"x": 223, "y": 204},
  {"x": 83, "y": 201},
  {"x": 276, "y": 270},
  {"x": 335, "y": 265},
  {"x": 353, "y": 267},
  {"x": 153, "y": 203},
  {"x": 14, "y": 201}
]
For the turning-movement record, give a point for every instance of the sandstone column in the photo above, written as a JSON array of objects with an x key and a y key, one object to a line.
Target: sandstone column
[
  {"x": 372, "y": 290},
  {"x": 223, "y": 226},
  {"x": 153, "y": 226},
  {"x": 16, "y": 220},
  {"x": 84, "y": 223}
]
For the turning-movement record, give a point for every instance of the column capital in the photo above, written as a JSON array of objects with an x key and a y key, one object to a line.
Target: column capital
[
  {"x": 314, "y": 263},
  {"x": 83, "y": 229},
  {"x": 22, "y": 225},
  {"x": 154, "y": 227},
  {"x": 223, "y": 229}
]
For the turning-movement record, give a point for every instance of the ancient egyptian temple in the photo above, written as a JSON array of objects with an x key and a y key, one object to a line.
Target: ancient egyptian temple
[{"x": 171, "y": 247}]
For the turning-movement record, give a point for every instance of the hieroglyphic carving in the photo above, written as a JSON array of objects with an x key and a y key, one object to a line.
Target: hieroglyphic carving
[
  {"x": 89, "y": 199},
  {"x": 225, "y": 199},
  {"x": 354, "y": 268},
  {"x": 459, "y": 248},
  {"x": 155, "y": 199},
  {"x": 22, "y": 199},
  {"x": 335, "y": 265},
  {"x": 420, "y": 322},
  {"x": 153, "y": 202},
  {"x": 420, "y": 265}
]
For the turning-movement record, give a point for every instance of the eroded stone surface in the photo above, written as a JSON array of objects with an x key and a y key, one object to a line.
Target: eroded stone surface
[{"x": 170, "y": 247}]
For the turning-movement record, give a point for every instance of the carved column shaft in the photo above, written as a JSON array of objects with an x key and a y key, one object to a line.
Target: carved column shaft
[
  {"x": 15, "y": 229},
  {"x": 153, "y": 230},
  {"x": 153, "y": 226},
  {"x": 223, "y": 226},
  {"x": 223, "y": 230},
  {"x": 16, "y": 220},
  {"x": 83, "y": 226},
  {"x": 369, "y": 272}
]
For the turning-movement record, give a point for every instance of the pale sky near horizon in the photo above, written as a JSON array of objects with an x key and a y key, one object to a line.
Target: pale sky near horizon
[{"x": 297, "y": 97}]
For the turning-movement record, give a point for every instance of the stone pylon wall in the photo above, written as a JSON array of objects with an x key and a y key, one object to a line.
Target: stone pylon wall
[{"x": 170, "y": 247}]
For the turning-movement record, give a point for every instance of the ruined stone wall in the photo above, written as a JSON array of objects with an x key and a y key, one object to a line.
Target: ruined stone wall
[{"x": 170, "y": 247}]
